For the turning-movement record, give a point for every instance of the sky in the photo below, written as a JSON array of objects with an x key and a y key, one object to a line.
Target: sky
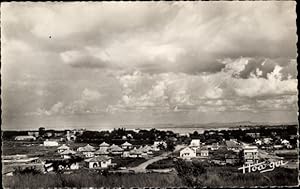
[{"x": 106, "y": 64}]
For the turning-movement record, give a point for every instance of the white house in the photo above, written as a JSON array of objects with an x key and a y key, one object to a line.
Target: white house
[
  {"x": 50, "y": 143},
  {"x": 101, "y": 162},
  {"x": 187, "y": 153},
  {"x": 101, "y": 151},
  {"x": 126, "y": 145},
  {"x": 104, "y": 146},
  {"x": 195, "y": 143},
  {"x": 67, "y": 154},
  {"x": 135, "y": 153},
  {"x": 231, "y": 145},
  {"x": 25, "y": 137},
  {"x": 63, "y": 148},
  {"x": 115, "y": 150},
  {"x": 258, "y": 142},
  {"x": 215, "y": 146},
  {"x": 285, "y": 142},
  {"x": 87, "y": 151},
  {"x": 250, "y": 154}
]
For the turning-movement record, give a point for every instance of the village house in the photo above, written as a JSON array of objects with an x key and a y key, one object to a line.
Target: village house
[
  {"x": 104, "y": 146},
  {"x": 100, "y": 162},
  {"x": 195, "y": 143},
  {"x": 67, "y": 154},
  {"x": 258, "y": 142},
  {"x": 87, "y": 151},
  {"x": 126, "y": 146},
  {"x": 115, "y": 150},
  {"x": 33, "y": 133},
  {"x": 134, "y": 153},
  {"x": 62, "y": 148},
  {"x": 101, "y": 152},
  {"x": 28, "y": 138},
  {"x": 50, "y": 143},
  {"x": 202, "y": 152},
  {"x": 250, "y": 154},
  {"x": 148, "y": 149},
  {"x": 285, "y": 142},
  {"x": 231, "y": 145},
  {"x": 187, "y": 153},
  {"x": 253, "y": 135},
  {"x": 215, "y": 146},
  {"x": 267, "y": 140}
]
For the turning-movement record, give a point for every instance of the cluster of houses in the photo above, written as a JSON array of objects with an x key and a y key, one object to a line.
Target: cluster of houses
[
  {"x": 199, "y": 150},
  {"x": 101, "y": 157},
  {"x": 268, "y": 143},
  {"x": 58, "y": 136}
]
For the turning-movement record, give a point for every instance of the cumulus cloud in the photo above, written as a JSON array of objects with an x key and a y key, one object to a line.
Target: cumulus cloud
[
  {"x": 226, "y": 90},
  {"x": 161, "y": 58},
  {"x": 82, "y": 105},
  {"x": 155, "y": 37}
]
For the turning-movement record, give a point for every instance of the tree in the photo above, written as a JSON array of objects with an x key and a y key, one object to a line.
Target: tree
[
  {"x": 41, "y": 131},
  {"x": 170, "y": 145}
]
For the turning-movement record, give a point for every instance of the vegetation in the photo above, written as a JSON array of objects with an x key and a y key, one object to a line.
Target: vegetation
[
  {"x": 128, "y": 162},
  {"x": 162, "y": 164},
  {"x": 201, "y": 174},
  {"x": 88, "y": 179}
]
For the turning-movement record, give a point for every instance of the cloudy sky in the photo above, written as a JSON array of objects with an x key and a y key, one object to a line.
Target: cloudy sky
[{"x": 99, "y": 64}]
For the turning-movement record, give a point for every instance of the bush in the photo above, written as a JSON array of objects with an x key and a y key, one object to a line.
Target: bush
[{"x": 162, "y": 164}]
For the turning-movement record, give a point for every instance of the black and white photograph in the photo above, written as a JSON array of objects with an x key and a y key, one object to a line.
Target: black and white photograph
[{"x": 178, "y": 94}]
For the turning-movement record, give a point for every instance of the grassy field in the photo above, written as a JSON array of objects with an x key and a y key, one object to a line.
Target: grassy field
[
  {"x": 128, "y": 162},
  {"x": 84, "y": 179},
  {"x": 202, "y": 174},
  {"x": 162, "y": 164}
]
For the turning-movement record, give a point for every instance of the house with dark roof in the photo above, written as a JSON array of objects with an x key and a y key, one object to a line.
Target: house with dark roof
[{"x": 202, "y": 152}]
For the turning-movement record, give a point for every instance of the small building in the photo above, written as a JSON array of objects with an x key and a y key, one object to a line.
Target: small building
[
  {"x": 63, "y": 148},
  {"x": 258, "y": 142},
  {"x": 231, "y": 145},
  {"x": 28, "y": 138},
  {"x": 126, "y": 146},
  {"x": 195, "y": 143},
  {"x": 267, "y": 140},
  {"x": 115, "y": 150},
  {"x": 100, "y": 162},
  {"x": 187, "y": 153},
  {"x": 285, "y": 142},
  {"x": 104, "y": 145},
  {"x": 278, "y": 147},
  {"x": 148, "y": 149},
  {"x": 250, "y": 154},
  {"x": 67, "y": 154},
  {"x": 101, "y": 152},
  {"x": 87, "y": 151},
  {"x": 134, "y": 153},
  {"x": 202, "y": 152},
  {"x": 253, "y": 135},
  {"x": 50, "y": 143},
  {"x": 33, "y": 133},
  {"x": 215, "y": 146}
]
